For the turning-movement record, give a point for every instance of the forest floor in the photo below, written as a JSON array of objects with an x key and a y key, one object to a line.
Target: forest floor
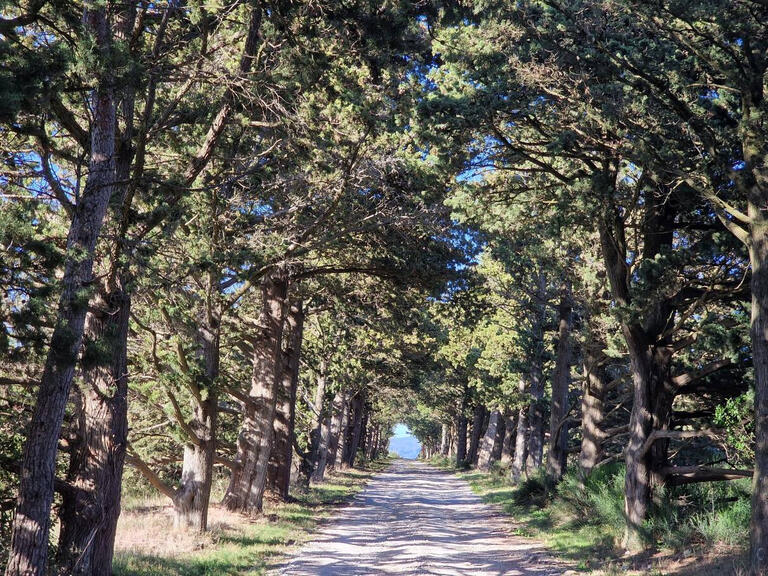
[
  {"x": 414, "y": 519},
  {"x": 235, "y": 545},
  {"x": 592, "y": 550}
]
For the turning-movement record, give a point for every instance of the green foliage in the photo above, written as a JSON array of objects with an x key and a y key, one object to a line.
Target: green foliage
[{"x": 735, "y": 417}]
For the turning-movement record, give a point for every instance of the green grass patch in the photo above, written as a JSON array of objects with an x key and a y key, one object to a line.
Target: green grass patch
[
  {"x": 583, "y": 521},
  {"x": 249, "y": 547}
]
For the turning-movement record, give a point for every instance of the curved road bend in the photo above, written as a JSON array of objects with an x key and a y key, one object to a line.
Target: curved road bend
[{"x": 416, "y": 520}]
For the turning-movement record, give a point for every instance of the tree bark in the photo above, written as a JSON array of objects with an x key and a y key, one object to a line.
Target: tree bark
[
  {"x": 558, "y": 426},
  {"x": 461, "y": 439},
  {"x": 489, "y": 442},
  {"x": 536, "y": 378},
  {"x": 508, "y": 443},
  {"x": 478, "y": 419},
  {"x": 194, "y": 493},
  {"x": 254, "y": 444},
  {"x": 759, "y": 283},
  {"x": 89, "y": 513},
  {"x": 29, "y": 540},
  {"x": 342, "y": 447},
  {"x": 279, "y": 473},
  {"x": 592, "y": 408},
  {"x": 337, "y": 426},
  {"x": 319, "y": 435},
  {"x": 650, "y": 358},
  {"x": 356, "y": 428},
  {"x": 445, "y": 438},
  {"x": 521, "y": 440}
]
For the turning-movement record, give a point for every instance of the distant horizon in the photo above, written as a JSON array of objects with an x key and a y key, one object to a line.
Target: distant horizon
[{"x": 404, "y": 443}]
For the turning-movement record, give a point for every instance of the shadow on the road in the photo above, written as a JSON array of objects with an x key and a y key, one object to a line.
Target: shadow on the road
[{"x": 414, "y": 519}]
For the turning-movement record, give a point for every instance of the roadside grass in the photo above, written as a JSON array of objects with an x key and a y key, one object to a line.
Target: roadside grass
[
  {"x": 235, "y": 545},
  {"x": 700, "y": 532}
]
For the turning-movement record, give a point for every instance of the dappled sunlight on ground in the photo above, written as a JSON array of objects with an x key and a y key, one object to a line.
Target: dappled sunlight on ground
[{"x": 414, "y": 519}]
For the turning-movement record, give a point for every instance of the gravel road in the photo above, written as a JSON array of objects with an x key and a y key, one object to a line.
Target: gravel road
[{"x": 413, "y": 519}]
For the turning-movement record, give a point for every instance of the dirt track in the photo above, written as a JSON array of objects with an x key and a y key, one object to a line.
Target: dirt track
[{"x": 413, "y": 519}]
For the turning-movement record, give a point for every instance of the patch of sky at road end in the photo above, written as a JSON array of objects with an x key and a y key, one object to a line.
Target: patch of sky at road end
[{"x": 404, "y": 444}]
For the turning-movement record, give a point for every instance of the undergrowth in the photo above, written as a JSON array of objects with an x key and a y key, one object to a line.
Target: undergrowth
[
  {"x": 583, "y": 520},
  {"x": 235, "y": 545}
]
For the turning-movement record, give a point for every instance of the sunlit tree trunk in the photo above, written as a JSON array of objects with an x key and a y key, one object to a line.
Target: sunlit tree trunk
[
  {"x": 489, "y": 442},
  {"x": 445, "y": 439},
  {"x": 254, "y": 444}
]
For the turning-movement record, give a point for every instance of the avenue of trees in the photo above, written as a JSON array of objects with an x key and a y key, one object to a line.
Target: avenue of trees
[{"x": 249, "y": 237}]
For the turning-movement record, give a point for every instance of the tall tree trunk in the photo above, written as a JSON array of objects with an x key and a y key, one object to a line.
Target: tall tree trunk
[
  {"x": 535, "y": 448},
  {"x": 592, "y": 408},
  {"x": 508, "y": 442},
  {"x": 254, "y": 444},
  {"x": 321, "y": 455},
  {"x": 337, "y": 423},
  {"x": 499, "y": 439},
  {"x": 489, "y": 442},
  {"x": 362, "y": 447},
  {"x": 445, "y": 438},
  {"x": 650, "y": 354},
  {"x": 357, "y": 427},
  {"x": 478, "y": 419},
  {"x": 521, "y": 440},
  {"x": 279, "y": 473},
  {"x": 343, "y": 442},
  {"x": 319, "y": 443},
  {"x": 461, "y": 439},
  {"x": 194, "y": 493},
  {"x": 759, "y": 283},
  {"x": 536, "y": 377},
  {"x": 29, "y": 540},
  {"x": 89, "y": 513},
  {"x": 558, "y": 426}
]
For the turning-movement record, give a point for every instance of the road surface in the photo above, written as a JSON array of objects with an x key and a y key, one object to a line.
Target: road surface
[{"x": 416, "y": 520}]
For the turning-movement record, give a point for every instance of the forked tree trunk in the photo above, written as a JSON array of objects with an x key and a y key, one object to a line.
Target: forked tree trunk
[
  {"x": 254, "y": 444},
  {"x": 558, "y": 425},
  {"x": 89, "y": 513},
  {"x": 592, "y": 408},
  {"x": 650, "y": 359},
  {"x": 489, "y": 442},
  {"x": 478, "y": 419},
  {"x": 29, "y": 541}
]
